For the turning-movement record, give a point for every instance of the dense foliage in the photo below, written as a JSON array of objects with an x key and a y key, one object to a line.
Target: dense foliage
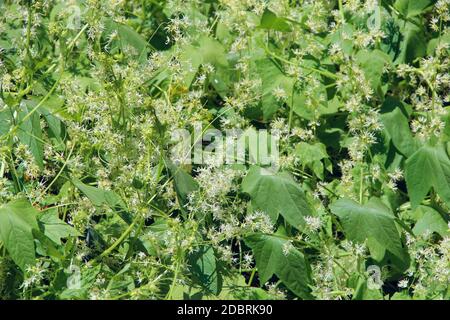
[{"x": 96, "y": 205}]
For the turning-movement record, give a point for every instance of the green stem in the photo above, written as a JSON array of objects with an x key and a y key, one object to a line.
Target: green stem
[
  {"x": 28, "y": 36},
  {"x": 174, "y": 282},
  {"x": 12, "y": 168},
  {"x": 341, "y": 11},
  {"x": 122, "y": 238},
  {"x": 291, "y": 111},
  {"x": 361, "y": 185},
  {"x": 251, "y": 277}
]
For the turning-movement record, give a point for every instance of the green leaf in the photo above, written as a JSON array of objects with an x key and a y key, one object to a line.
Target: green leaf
[
  {"x": 101, "y": 197},
  {"x": 126, "y": 37},
  {"x": 5, "y": 121},
  {"x": 54, "y": 228},
  {"x": 412, "y": 8},
  {"x": 395, "y": 121},
  {"x": 428, "y": 167},
  {"x": 30, "y": 134},
  {"x": 46, "y": 247},
  {"x": 272, "y": 78},
  {"x": 374, "y": 223},
  {"x": 311, "y": 155},
  {"x": 157, "y": 230},
  {"x": 271, "y": 21},
  {"x": 310, "y": 102},
  {"x": 401, "y": 296},
  {"x": 236, "y": 287},
  {"x": 56, "y": 127},
  {"x": 206, "y": 51},
  {"x": 432, "y": 45},
  {"x": 413, "y": 45},
  {"x": 343, "y": 37},
  {"x": 373, "y": 63},
  {"x": 10, "y": 279},
  {"x": 271, "y": 258},
  {"x": 430, "y": 221},
  {"x": 277, "y": 194},
  {"x": 204, "y": 268},
  {"x": 184, "y": 183},
  {"x": 17, "y": 220},
  {"x": 308, "y": 153}
]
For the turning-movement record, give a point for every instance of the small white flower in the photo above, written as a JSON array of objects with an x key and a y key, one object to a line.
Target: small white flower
[
  {"x": 287, "y": 247},
  {"x": 280, "y": 94},
  {"x": 313, "y": 223},
  {"x": 403, "y": 283}
]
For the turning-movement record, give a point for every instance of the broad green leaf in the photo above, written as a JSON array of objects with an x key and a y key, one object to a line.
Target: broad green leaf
[
  {"x": 125, "y": 38},
  {"x": 89, "y": 276},
  {"x": 5, "y": 121},
  {"x": 97, "y": 196},
  {"x": 393, "y": 115},
  {"x": 206, "y": 51},
  {"x": 413, "y": 45},
  {"x": 101, "y": 197},
  {"x": 428, "y": 167},
  {"x": 204, "y": 268},
  {"x": 157, "y": 229},
  {"x": 271, "y": 21},
  {"x": 309, "y": 102},
  {"x": 121, "y": 281},
  {"x": 10, "y": 279},
  {"x": 30, "y": 134},
  {"x": 392, "y": 36},
  {"x": 57, "y": 129},
  {"x": 432, "y": 45},
  {"x": 46, "y": 247},
  {"x": 373, "y": 63},
  {"x": 308, "y": 153},
  {"x": 401, "y": 296},
  {"x": 274, "y": 255},
  {"x": 373, "y": 223},
  {"x": 184, "y": 183},
  {"x": 311, "y": 155},
  {"x": 236, "y": 287},
  {"x": 343, "y": 38},
  {"x": 277, "y": 194},
  {"x": 17, "y": 220},
  {"x": 54, "y": 228},
  {"x": 431, "y": 221},
  {"x": 272, "y": 78},
  {"x": 412, "y": 8},
  {"x": 53, "y": 199}
]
